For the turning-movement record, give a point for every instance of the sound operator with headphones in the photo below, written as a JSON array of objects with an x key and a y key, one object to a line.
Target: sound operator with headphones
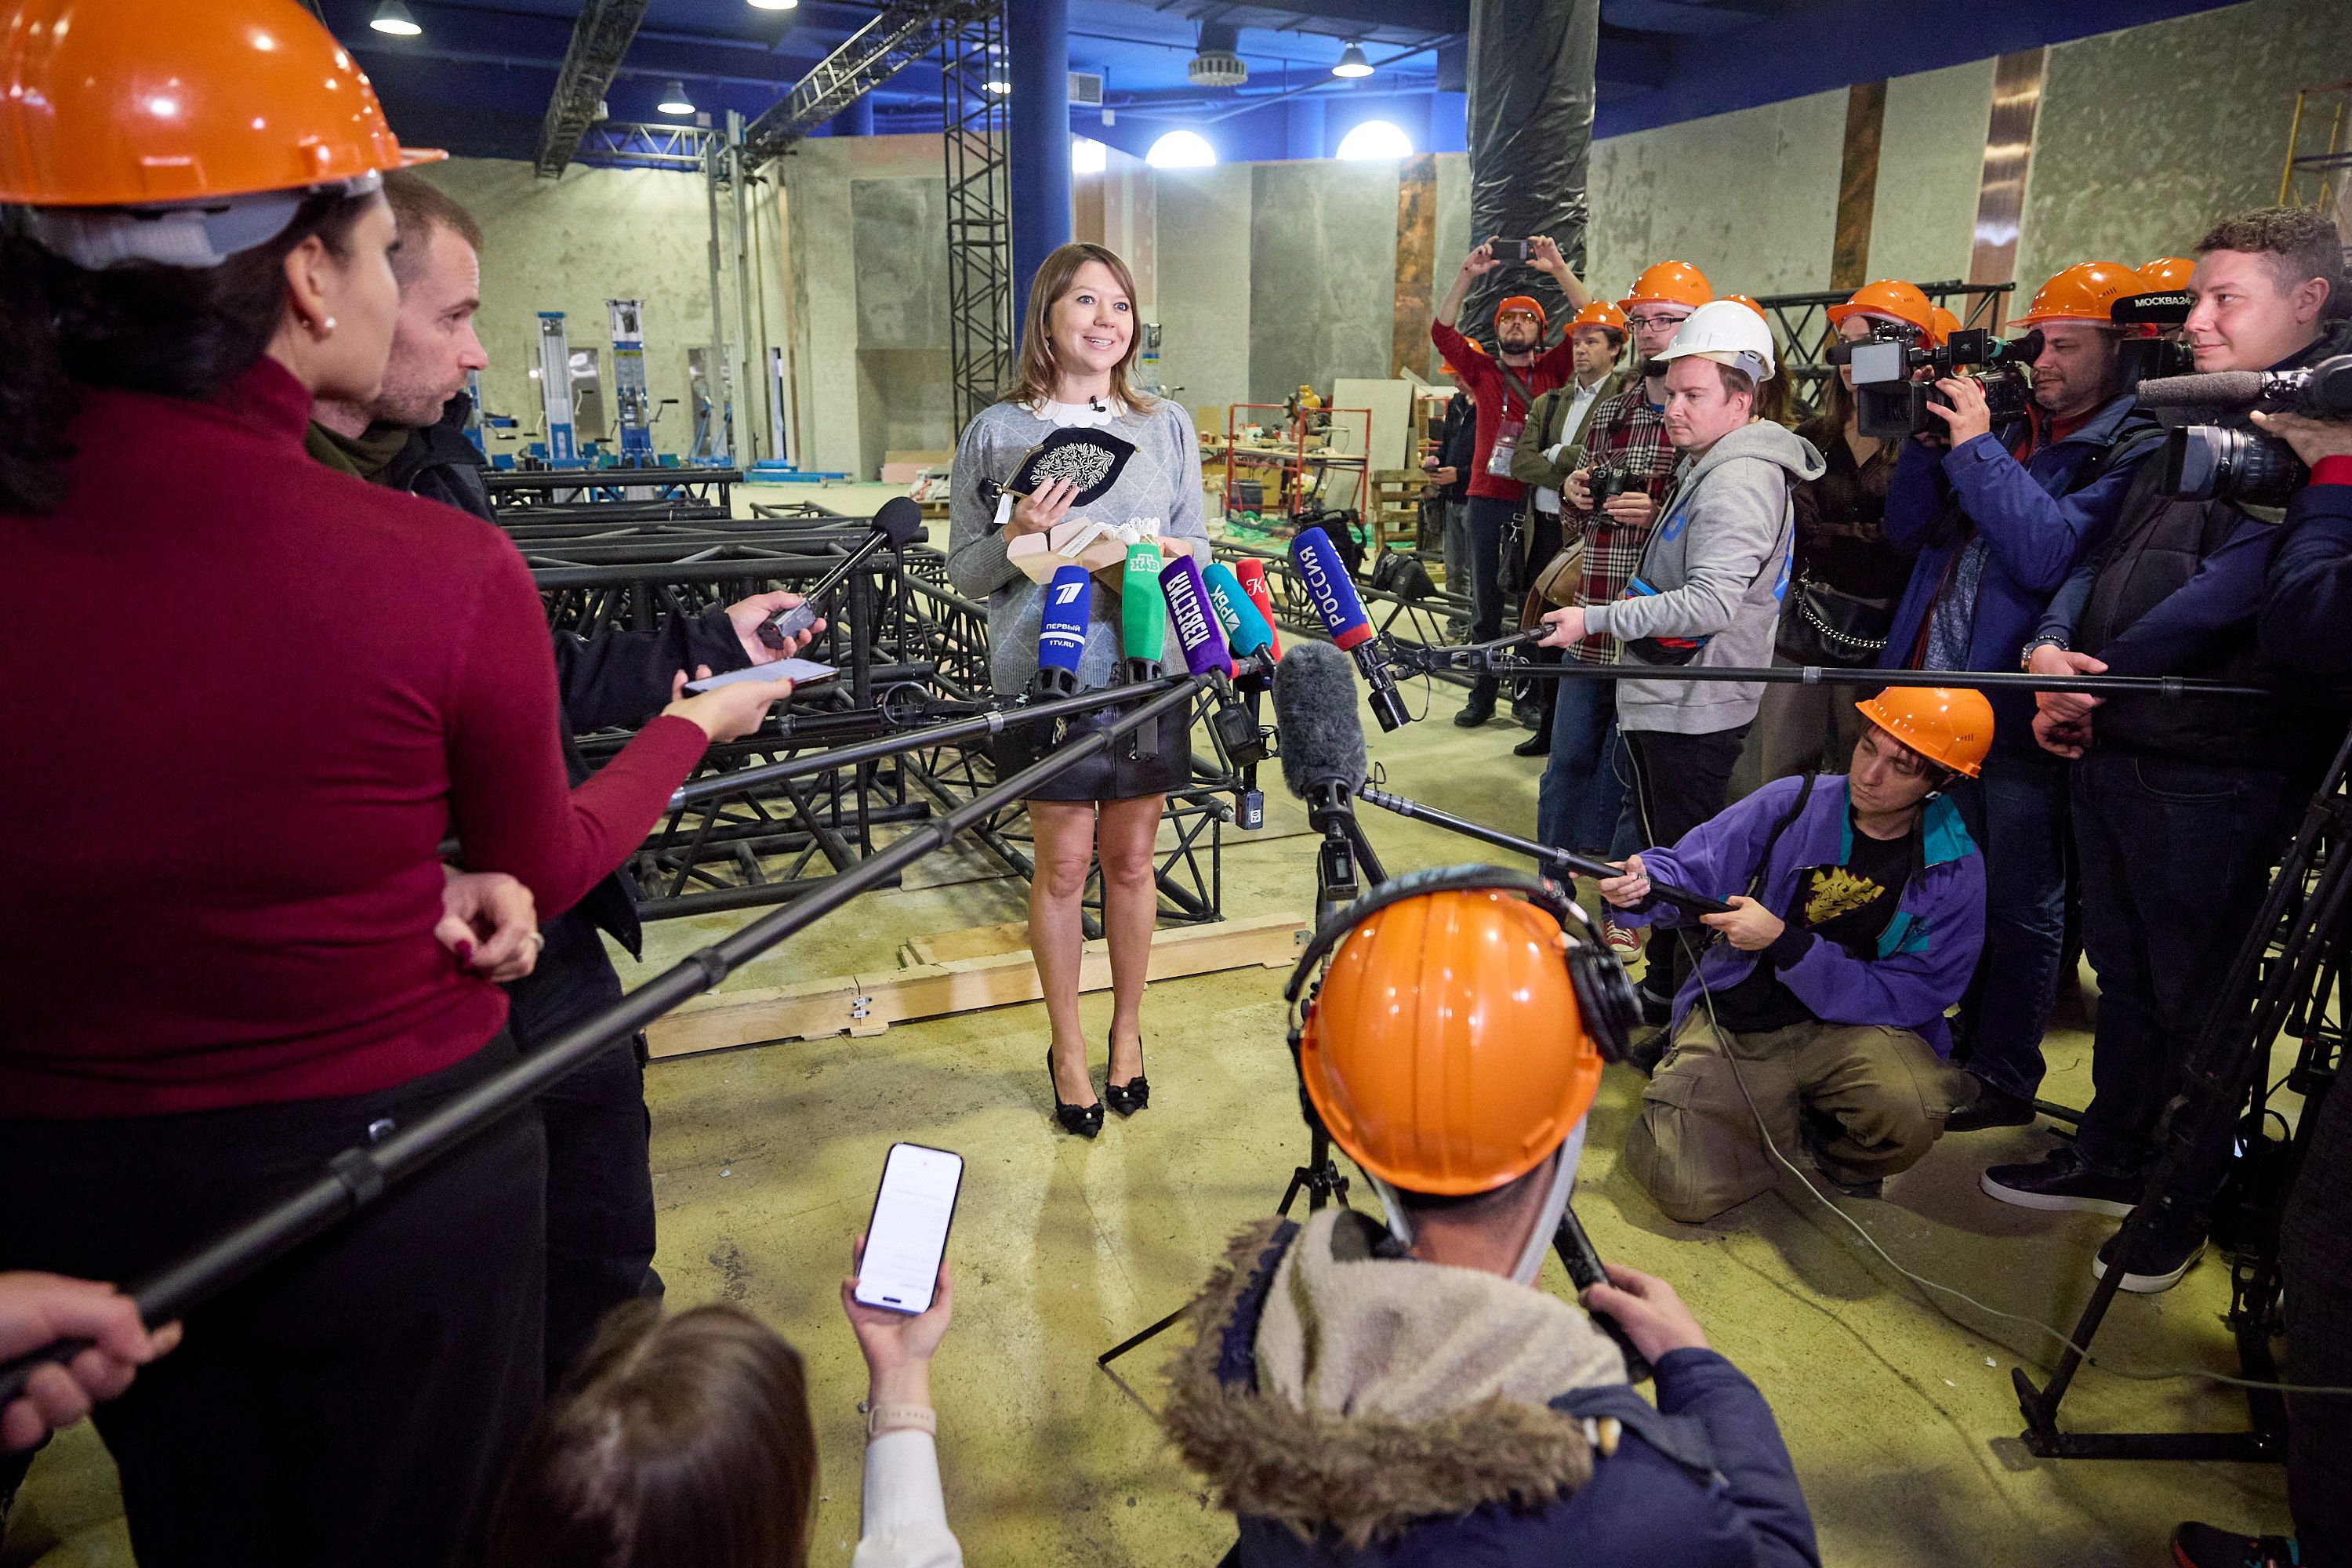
[
  {"x": 1404, "y": 1394},
  {"x": 1858, "y": 913}
]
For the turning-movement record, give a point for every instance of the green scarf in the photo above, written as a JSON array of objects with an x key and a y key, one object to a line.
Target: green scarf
[{"x": 365, "y": 456}]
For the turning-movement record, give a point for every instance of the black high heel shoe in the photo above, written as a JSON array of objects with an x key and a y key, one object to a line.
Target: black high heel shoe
[
  {"x": 1132, "y": 1096},
  {"x": 1085, "y": 1120}
]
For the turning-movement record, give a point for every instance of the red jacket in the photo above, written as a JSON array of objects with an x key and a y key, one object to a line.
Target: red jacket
[
  {"x": 1497, "y": 398},
  {"x": 247, "y": 696}
]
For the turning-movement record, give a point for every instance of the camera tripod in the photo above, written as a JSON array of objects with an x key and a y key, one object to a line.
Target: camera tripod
[{"x": 2289, "y": 976}]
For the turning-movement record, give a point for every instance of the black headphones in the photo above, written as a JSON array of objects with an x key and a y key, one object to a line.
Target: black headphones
[{"x": 1604, "y": 995}]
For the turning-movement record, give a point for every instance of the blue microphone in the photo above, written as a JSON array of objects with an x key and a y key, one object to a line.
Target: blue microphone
[
  {"x": 1246, "y": 632},
  {"x": 1341, "y": 611},
  {"x": 1062, "y": 634}
]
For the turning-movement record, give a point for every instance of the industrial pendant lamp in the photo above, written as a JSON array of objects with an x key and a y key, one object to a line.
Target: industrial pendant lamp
[
  {"x": 1000, "y": 80},
  {"x": 392, "y": 17},
  {"x": 1352, "y": 63},
  {"x": 774, "y": 5},
  {"x": 674, "y": 99}
]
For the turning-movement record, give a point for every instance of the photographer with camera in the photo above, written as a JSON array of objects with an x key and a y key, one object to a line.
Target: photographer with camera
[
  {"x": 1504, "y": 387},
  {"x": 1542, "y": 462},
  {"x": 1609, "y": 501},
  {"x": 2307, "y": 605},
  {"x": 1707, "y": 591},
  {"x": 1999, "y": 517},
  {"x": 2175, "y": 589}
]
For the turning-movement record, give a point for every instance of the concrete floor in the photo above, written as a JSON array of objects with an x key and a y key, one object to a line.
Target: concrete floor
[{"x": 1901, "y": 1420}]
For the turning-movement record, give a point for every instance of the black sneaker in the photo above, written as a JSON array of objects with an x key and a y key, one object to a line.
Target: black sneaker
[
  {"x": 2198, "y": 1545},
  {"x": 2162, "y": 1261},
  {"x": 1992, "y": 1107},
  {"x": 1476, "y": 711},
  {"x": 2059, "y": 1179}
]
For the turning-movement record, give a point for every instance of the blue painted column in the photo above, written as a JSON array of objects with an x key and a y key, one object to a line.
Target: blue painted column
[
  {"x": 1303, "y": 127},
  {"x": 1038, "y": 42},
  {"x": 857, "y": 120}
]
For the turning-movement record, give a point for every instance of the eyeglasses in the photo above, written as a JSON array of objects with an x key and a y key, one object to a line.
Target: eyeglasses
[
  {"x": 1515, "y": 316},
  {"x": 1647, "y": 323}
]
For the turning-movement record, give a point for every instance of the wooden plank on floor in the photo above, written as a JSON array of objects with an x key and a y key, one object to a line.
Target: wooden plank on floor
[{"x": 866, "y": 1004}]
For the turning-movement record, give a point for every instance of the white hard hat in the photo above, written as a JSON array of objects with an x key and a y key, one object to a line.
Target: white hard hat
[{"x": 1727, "y": 332}]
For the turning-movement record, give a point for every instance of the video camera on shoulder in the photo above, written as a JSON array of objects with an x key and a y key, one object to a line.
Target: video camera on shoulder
[
  {"x": 2157, "y": 354},
  {"x": 2239, "y": 466},
  {"x": 1888, "y": 404}
]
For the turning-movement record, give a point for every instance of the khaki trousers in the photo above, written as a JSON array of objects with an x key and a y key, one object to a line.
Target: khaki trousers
[{"x": 1869, "y": 1101}]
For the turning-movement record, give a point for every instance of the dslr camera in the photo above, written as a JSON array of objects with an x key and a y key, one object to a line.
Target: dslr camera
[
  {"x": 1889, "y": 403},
  {"x": 2245, "y": 467},
  {"x": 1605, "y": 482}
]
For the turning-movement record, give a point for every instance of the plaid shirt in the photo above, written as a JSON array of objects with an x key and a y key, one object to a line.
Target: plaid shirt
[{"x": 1627, "y": 433}]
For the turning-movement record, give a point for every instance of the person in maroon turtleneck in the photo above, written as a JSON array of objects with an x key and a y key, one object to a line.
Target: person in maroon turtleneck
[{"x": 246, "y": 697}]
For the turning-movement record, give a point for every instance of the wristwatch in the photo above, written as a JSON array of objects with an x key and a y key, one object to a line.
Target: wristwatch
[{"x": 2025, "y": 654}]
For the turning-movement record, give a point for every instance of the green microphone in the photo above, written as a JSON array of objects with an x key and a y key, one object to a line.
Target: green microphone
[{"x": 1143, "y": 611}]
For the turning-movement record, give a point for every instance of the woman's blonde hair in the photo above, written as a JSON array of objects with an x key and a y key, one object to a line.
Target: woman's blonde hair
[{"x": 1034, "y": 374}]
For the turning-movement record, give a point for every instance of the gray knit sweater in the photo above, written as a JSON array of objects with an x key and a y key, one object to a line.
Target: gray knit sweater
[{"x": 1161, "y": 483}]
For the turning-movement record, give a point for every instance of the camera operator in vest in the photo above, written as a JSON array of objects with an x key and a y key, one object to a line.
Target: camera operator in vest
[
  {"x": 2307, "y": 607},
  {"x": 2176, "y": 589},
  {"x": 1999, "y": 517},
  {"x": 1406, "y": 1395}
]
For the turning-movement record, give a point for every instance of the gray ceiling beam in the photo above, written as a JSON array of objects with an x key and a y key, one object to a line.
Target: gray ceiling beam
[
  {"x": 903, "y": 33},
  {"x": 599, "y": 40}
]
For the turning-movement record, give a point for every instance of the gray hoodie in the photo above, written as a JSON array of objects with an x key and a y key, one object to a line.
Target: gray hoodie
[{"x": 1719, "y": 562}]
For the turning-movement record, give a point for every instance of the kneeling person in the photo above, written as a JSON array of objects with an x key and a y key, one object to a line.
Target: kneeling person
[
  {"x": 1403, "y": 1393},
  {"x": 1858, "y": 913}
]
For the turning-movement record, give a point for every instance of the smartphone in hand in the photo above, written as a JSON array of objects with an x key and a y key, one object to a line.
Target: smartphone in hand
[
  {"x": 908, "y": 1233},
  {"x": 1507, "y": 249},
  {"x": 799, "y": 671}
]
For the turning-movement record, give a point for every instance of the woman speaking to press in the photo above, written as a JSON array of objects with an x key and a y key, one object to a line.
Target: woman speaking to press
[
  {"x": 1077, "y": 345},
  {"x": 245, "y": 698}
]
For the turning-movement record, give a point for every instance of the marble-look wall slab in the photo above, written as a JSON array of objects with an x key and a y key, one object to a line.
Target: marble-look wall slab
[{"x": 1322, "y": 274}]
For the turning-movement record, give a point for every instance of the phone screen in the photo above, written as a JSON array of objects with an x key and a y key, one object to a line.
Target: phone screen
[
  {"x": 799, "y": 671},
  {"x": 908, "y": 1233},
  {"x": 1509, "y": 250}
]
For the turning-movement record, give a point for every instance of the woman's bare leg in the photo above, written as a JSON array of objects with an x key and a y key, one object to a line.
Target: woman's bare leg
[
  {"x": 1130, "y": 908},
  {"x": 1064, "y": 839}
]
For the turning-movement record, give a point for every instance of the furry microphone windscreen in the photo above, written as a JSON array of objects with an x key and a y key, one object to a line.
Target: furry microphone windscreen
[{"x": 1315, "y": 715}]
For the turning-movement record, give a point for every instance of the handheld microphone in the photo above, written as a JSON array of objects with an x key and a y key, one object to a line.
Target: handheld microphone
[
  {"x": 1323, "y": 762},
  {"x": 1062, "y": 636},
  {"x": 1198, "y": 634},
  {"x": 1143, "y": 614},
  {"x": 1341, "y": 611},
  {"x": 1246, "y": 630},
  {"x": 1251, "y": 573},
  {"x": 895, "y": 527}
]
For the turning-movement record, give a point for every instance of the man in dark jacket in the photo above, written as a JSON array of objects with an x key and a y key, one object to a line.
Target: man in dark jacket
[
  {"x": 600, "y": 1209},
  {"x": 2175, "y": 590},
  {"x": 1449, "y": 468},
  {"x": 1401, "y": 1395},
  {"x": 1999, "y": 519},
  {"x": 2306, "y": 607}
]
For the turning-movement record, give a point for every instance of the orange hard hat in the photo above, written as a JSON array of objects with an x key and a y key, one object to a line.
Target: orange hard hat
[
  {"x": 1600, "y": 313},
  {"x": 1744, "y": 299},
  {"x": 1445, "y": 1051},
  {"x": 1946, "y": 724},
  {"x": 140, "y": 103},
  {"x": 1893, "y": 299},
  {"x": 2167, "y": 273},
  {"x": 1669, "y": 283},
  {"x": 1946, "y": 325},
  {"x": 2087, "y": 291},
  {"x": 1522, "y": 303}
]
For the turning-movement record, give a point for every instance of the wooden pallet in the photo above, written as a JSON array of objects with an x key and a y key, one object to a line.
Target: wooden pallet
[
  {"x": 1395, "y": 517},
  {"x": 955, "y": 972}
]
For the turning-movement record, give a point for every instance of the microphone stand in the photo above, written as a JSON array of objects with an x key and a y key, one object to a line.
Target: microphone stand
[
  {"x": 359, "y": 1176},
  {"x": 1565, "y": 861}
]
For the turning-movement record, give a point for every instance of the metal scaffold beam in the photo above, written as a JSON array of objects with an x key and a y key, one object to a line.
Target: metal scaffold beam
[
  {"x": 599, "y": 40},
  {"x": 979, "y": 222},
  {"x": 650, "y": 146},
  {"x": 900, "y": 35}
]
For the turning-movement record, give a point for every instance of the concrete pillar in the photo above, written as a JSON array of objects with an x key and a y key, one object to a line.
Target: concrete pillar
[
  {"x": 1303, "y": 129},
  {"x": 1038, "y": 44}
]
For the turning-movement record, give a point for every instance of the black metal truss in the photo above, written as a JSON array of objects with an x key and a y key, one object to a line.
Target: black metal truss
[
  {"x": 980, "y": 216},
  {"x": 627, "y": 144},
  {"x": 1801, "y": 324},
  {"x": 900, "y": 35},
  {"x": 611, "y": 487},
  {"x": 600, "y": 37}
]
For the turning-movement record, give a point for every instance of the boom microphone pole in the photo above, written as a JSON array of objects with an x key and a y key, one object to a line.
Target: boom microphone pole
[
  {"x": 1562, "y": 859},
  {"x": 1494, "y": 658},
  {"x": 359, "y": 1176}
]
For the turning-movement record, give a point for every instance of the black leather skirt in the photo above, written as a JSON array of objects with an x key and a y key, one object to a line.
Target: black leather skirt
[{"x": 1115, "y": 772}]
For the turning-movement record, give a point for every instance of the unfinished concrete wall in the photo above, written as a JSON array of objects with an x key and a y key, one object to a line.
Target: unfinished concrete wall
[
  {"x": 1204, "y": 269},
  {"x": 1322, "y": 274},
  {"x": 2146, "y": 136},
  {"x": 1930, "y": 160},
  {"x": 571, "y": 244}
]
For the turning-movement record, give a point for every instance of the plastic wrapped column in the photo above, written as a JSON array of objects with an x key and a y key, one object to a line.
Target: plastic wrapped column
[{"x": 1531, "y": 64}]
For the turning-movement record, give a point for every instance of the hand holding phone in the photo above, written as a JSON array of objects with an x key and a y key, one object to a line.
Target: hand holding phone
[
  {"x": 1507, "y": 249},
  {"x": 907, "y": 1238},
  {"x": 799, "y": 671}
]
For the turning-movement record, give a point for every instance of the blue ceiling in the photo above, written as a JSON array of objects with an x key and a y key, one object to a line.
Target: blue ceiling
[{"x": 478, "y": 79}]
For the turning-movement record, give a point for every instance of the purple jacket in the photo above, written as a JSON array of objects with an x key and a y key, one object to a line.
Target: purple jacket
[{"x": 1924, "y": 955}]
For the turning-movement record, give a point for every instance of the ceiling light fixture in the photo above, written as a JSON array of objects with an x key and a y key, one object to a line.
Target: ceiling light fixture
[
  {"x": 392, "y": 17},
  {"x": 1352, "y": 63},
  {"x": 674, "y": 99},
  {"x": 774, "y": 5},
  {"x": 999, "y": 82},
  {"x": 1214, "y": 64}
]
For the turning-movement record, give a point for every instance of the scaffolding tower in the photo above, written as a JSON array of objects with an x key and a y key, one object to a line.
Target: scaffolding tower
[{"x": 980, "y": 220}]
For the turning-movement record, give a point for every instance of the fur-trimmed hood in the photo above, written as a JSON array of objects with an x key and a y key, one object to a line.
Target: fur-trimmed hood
[{"x": 1339, "y": 1388}]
